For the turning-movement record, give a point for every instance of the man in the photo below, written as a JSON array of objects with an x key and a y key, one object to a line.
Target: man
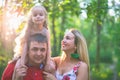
[{"x": 36, "y": 59}]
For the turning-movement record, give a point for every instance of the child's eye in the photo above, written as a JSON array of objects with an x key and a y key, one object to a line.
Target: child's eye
[
  {"x": 41, "y": 14},
  {"x": 34, "y": 15}
]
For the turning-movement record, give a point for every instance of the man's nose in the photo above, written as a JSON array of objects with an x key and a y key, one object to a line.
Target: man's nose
[{"x": 39, "y": 52}]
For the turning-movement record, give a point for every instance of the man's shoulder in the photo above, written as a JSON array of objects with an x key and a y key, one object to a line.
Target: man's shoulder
[
  {"x": 11, "y": 64},
  {"x": 8, "y": 72}
]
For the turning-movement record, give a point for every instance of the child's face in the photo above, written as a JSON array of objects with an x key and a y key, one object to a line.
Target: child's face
[{"x": 38, "y": 15}]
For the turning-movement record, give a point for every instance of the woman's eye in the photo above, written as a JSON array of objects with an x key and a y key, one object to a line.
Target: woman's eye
[{"x": 67, "y": 38}]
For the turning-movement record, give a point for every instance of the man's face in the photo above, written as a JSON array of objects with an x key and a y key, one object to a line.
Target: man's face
[{"x": 37, "y": 53}]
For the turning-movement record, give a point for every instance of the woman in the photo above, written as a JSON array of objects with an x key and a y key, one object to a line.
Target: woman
[{"x": 74, "y": 62}]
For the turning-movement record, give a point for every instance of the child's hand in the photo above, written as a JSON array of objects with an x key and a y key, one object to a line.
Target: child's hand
[
  {"x": 20, "y": 72},
  {"x": 50, "y": 67},
  {"x": 49, "y": 76}
]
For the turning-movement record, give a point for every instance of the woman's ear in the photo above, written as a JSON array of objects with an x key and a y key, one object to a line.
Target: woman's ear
[{"x": 75, "y": 47}]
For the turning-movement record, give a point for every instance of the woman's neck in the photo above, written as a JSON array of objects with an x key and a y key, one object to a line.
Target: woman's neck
[{"x": 67, "y": 57}]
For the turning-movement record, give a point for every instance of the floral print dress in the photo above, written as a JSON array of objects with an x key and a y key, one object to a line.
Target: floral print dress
[{"x": 71, "y": 75}]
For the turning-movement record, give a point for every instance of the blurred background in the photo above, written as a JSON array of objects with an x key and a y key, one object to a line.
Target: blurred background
[{"x": 98, "y": 20}]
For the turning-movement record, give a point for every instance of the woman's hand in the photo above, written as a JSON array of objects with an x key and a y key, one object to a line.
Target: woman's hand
[{"x": 49, "y": 76}]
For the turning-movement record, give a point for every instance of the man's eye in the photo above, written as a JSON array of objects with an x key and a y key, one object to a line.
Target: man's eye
[
  {"x": 34, "y": 49},
  {"x": 43, "y": 49}
]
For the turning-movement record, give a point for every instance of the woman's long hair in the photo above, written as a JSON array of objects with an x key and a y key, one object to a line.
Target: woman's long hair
[{"x": 81, "y": 47}]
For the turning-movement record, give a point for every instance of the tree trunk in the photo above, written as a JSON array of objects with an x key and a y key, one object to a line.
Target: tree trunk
[
  {"x": 54, "y": 47},
  {"x": 62, "y": 30},
  {"x": 98, "y": 27}
]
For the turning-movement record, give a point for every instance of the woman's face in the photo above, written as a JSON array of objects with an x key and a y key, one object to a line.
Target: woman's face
[
  {"x": 67, "y": 43},
  {"x": 38, "y": 15}
]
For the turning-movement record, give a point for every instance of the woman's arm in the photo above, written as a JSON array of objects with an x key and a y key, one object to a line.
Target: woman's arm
[
  {"x": 56, "y": 60},
  {"x": 83, "y": 72}
]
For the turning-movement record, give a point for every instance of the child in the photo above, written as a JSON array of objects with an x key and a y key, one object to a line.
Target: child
[{"x": 37, "y": 23}]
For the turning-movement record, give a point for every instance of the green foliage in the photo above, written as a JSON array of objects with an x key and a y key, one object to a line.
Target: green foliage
[
  {"x": 20, "y": 28},
  {"x": 3, "y": 63},
  {"x": 104, "y": 72},
  {"x": 4, "y": 58},
  {"x": 96, "y": 8}
]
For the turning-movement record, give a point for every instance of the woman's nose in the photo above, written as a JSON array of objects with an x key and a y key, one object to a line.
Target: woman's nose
[{"x": 63, "y": 41}]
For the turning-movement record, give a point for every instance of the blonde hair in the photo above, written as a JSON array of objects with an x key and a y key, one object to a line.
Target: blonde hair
[{"x": 81, "y": 44}]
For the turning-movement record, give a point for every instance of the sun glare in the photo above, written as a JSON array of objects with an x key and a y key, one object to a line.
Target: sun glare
[
  {"x": 14, "y": 20},
  {"x": 1, "y": 3}
]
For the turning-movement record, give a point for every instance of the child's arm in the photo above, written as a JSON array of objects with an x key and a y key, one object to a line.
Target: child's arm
[
  {"x": 50, "y": 67},
  {"x": 24, "y": 54}
]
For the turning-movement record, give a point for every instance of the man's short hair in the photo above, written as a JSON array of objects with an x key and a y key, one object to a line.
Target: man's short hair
[{"x": 37, "y": 37}]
